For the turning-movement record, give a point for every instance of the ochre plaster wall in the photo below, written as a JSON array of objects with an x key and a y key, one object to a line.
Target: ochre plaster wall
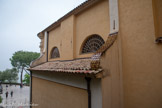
[
  {"x": 53, "y": 95},
  {"x": 72, "y": 32},
  {"x": 157, "y": 7},
  {"x": 111, "y": 91},
  {"x": 141, "y": 57},
  {"x": 62, "y": 37},
  {"x": 134, "y": 55},
  {"x": 95, "y": 20},
  {"x": 54, "y": 41}
]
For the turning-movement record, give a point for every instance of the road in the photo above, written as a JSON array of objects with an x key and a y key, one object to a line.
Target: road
[{"x": 19, "y": 99}]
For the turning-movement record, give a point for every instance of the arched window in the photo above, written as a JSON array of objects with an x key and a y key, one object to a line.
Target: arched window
[
  {"x": 55, "y": 53},
  {"x": 92, "y": 44}
]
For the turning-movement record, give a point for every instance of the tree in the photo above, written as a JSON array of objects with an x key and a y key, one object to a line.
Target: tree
[
  {"x": 1, "y": 99},
  {"x": 22, "y": 59},
  {"x": 2, "y": 78},
  {"x": 26, "y": 79},
  {"x": 10, "y": 75}
]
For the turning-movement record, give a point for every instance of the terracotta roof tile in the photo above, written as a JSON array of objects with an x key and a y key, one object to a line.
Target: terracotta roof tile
[
  {"x": 74, "y": 66},
  {"x": 86, "y": 66}
]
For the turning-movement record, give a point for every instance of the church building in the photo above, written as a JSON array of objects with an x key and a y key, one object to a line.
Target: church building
[{"x": 102, "y": 54}]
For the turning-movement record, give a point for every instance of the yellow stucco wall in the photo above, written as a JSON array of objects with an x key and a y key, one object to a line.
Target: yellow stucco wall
[
  {"x": 55, "y": 41},
  {"x": 157, "y": 7},
  {"x": 132, "y": 66},
  {"x": 90, "y": 22},
  {"x": 111, "y": 82},
  {"x": 62, "y": 37},
  {"x": 72, "y": 32},
  {"x": 141, "y": 57},
  {"x": 53, "y": 95}
]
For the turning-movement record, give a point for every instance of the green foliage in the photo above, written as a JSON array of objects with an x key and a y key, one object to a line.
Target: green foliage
[
  {"x": 10, "y": 75},
  {"x": 23, "y": 58},
  {"x": 2, "y": 78},
  {"x": 26, "y": 79},
  {"x": 1, "y": 99}
]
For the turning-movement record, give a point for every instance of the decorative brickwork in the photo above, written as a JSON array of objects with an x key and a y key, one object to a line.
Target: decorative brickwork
[
  {"x": 95, "y": 63},
  {"x": 110, "y": 40}
]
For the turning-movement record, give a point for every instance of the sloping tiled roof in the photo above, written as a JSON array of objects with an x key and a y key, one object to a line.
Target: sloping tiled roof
[
  {"x": 74, "y": 66},
  {"x": 86, "y": 65}
]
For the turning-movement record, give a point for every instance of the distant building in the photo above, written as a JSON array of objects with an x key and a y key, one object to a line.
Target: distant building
[{"x": 102, "y": 54}]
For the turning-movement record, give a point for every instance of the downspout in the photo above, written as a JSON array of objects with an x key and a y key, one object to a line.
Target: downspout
[
  {"x": 114, "y": 16},
  {"x": 45, "y": 41},
  {"x": 30, "y": 89},
  {"x": 114, "y": 29},
  {"x": 88, "y": 79},
  {"x": 47, "y": 44}
]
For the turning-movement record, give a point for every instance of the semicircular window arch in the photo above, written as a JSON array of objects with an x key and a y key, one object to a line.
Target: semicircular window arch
[
  {"x": 55, "y": 53},
  {"x": 92, "y": 44}
]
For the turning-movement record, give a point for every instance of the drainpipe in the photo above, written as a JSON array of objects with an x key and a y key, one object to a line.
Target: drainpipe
[
  {"x": 114, "y": 16},
  {"x": 45, "y": 41},
  {"x": 47, "y": 44},
  {"x": 88, "y": 79},
  {"x": 30, "y": 89}
]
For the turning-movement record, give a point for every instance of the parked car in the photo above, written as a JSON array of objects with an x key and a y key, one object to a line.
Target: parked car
[{"x": 1, "y": 89}]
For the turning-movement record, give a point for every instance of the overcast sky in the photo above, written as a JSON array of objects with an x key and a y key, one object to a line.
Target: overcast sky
[{"x": 21, "y": 20}]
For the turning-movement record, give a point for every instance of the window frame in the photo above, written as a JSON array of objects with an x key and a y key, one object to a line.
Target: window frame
[
  {"x": 52, "y": 56},
  {"x": 91, "y": 37}
]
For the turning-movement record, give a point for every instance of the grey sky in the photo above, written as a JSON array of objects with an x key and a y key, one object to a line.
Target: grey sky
[{"x": 21, "y": 20}]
